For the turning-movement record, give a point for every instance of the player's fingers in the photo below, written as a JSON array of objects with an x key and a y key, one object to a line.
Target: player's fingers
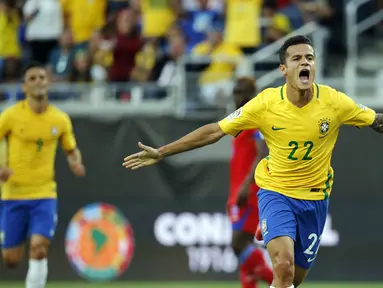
[
  {"x": 133, "y": 156},
  {"x": 131, "y": 163},
  {"x": 137, "y": 166}
]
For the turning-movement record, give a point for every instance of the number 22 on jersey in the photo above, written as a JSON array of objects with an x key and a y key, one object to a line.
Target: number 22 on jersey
[{"x": 308, "y": 145}]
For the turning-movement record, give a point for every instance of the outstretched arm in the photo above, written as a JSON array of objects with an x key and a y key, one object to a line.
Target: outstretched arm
[
  {"x": 200, "y": 137},
  {"x": 247, "y": 117},
  {"x": 377, "y": 125}
]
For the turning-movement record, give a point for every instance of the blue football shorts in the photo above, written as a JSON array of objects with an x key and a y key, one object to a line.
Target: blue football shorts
[
  {"x": 301, "y": 220},
  {"x": 19, "y": 219}
]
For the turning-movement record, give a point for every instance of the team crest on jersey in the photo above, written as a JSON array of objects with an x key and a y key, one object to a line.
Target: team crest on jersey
[
  {"x": 264, "y": 226},
  {"x": 54, "y": 131},
  {"x": 235, "y": 114},
  {"x": 324, "y": 126}
]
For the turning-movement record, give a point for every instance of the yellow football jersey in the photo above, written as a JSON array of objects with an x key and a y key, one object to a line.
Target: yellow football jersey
[
  {"x": 300, "y": 140},
  {"x": 32, "y": 145}
]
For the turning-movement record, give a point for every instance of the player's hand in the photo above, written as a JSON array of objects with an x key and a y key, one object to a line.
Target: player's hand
[
  {"x": 148, "y": 156},
  {"x": 5, "y": 173},
  {"x": 78, "y": 169},
  {"x": 243, "y": 196}
]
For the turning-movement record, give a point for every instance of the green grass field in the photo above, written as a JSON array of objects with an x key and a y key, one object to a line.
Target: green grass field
[{"x": 185, "y": 285}]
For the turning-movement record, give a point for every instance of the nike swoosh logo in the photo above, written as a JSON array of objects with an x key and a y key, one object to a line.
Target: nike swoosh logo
[
  {"x": 320, "y": 137},
  {"x": 311, "y": 259},
  {"x": 276, "y": 128}
]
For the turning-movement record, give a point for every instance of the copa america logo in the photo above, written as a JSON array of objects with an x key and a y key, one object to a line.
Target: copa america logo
[{"x": 99, "y": 242}]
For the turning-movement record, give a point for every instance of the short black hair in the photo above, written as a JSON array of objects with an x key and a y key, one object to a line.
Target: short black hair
[
  {"x": 32, "y": 65},
  {"x": 296, "y": 40}
]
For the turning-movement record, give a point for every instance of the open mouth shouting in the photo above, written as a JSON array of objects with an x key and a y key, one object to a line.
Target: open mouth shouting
[{"x": 304, "y": 76}]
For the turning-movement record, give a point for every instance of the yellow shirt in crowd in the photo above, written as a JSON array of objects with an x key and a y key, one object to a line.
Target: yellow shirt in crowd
[
  {"x": 243, "y": 26},
  {"x": 219, "y": 69},
  {"x": 157, "y": 17},
  {"x": 9, "y": 41},
  {"x": 85, "y": 17}
]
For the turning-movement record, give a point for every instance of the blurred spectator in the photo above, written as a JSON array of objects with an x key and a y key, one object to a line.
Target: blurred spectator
[
  {"x": 300, "y": 12},
  {"x": 145, "y": 61},
  {"x": 44, "y": 26},
  {"x": 157, "y": 16},
  {"x": 315, "y": 10},
  {"x": 12, "y": 70},
  {"x": 192, "y": 5},
  {"x": 61, "y": 58},
  {"x": 127, "y": 43},
  {"x": 216, "y": 80},
  {"x": 166, "y": 69},
  {"x": 243, "y": 25},
  {"x": 278, "y": 28},
  {"x": 174, "y": 31},
  {"x": 114, "y": 6},
  {"x": 282, "y": 3},
  {"x": 9, "y": 25},
  {"x": 196, "y": 23},
  {"x": 101, "y": 48},
  {"x": 81, "y": 68},
  {"x": 84, "y": 18}
]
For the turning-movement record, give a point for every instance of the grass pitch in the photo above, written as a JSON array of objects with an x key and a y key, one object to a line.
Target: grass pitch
[{"x": 183, "y": 285}]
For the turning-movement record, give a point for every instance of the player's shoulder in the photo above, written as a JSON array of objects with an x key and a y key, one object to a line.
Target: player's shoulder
[
  {"x": 14, "y": 109},
  {"x": 58, "y": 113},
  {"x": 271, "y": 95},
  {"x": 326, "y": 92}
]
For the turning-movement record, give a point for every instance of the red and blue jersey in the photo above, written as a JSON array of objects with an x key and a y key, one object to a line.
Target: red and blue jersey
[{"x": 243, "y": 156}]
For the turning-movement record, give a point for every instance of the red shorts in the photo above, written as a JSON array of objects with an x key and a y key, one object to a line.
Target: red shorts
[{"x": 244, "y": 218}]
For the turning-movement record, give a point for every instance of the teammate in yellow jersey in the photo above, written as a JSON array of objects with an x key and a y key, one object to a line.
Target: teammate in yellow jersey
[
  {"x": 33, "y": 129},
  {"x": 300, "y": 122}
]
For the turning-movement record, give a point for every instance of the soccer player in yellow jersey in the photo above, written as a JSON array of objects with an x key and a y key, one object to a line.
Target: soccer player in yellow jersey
[
  {"x": 300, "y": 122},
  {"x": 33, "y": 129}
]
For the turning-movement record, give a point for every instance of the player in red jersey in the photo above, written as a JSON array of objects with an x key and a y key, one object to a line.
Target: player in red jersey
[{"x": 248, "y": 149}]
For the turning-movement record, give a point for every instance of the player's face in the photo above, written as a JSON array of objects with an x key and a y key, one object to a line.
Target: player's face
[
  {"x": 36, "y": 84},
  {"x": 299, "y": 68}
]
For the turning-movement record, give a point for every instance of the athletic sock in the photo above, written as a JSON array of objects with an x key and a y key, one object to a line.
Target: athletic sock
[
  {"x": 252, "y": 260},
  {"x": 292, "y": 286},
  {"x": 247, "y": 281},
  {"x": 37, "y": 273}
]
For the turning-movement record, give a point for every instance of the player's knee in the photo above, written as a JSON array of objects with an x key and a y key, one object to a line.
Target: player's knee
[
  {"x": 11, "y": 260},
  {"x": 38, "y": 251},
  {"x": 283, "y": 265}
]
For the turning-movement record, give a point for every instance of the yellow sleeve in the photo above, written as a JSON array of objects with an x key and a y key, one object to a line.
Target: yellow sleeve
[
  {"x": 100, "y": 16},
  {"x": 5, "y": 123},
  {"x": 3, "y": 153},
  {"x": 68, "y": 141},
  {"x": 351, "y": 113},
  {"x": 248, "y": 117}
]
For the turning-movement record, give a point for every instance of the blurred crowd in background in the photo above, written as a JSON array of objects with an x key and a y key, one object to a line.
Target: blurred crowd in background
[{"x": 140, "y": 41}]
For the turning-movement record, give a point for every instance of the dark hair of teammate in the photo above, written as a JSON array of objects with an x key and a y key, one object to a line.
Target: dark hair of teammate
[
  {"x": 244, "y": 90},
  {"x": 32, "y": 65},
  {"x": 296, "y": 40}
]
